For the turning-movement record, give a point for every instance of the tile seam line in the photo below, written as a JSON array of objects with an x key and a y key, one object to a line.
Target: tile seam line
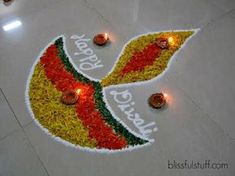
[
  {"x": 219, "y": 17},
  {"x": 100, "y": 15},
  {"x": 9, "y": 134},
  {"x": 39, "y": 10},
  {"x": 29, "y": 141},
  {"x": 205, "y": 113},
  {"x": 210, "y": 22},
  {"x": 228, "y": 13},
  {"x": 8, "y": 103},
  {"x": 218, "y": 6},
  {"x": 88, "y": 5},
  {"x": 28, "y": 124}
]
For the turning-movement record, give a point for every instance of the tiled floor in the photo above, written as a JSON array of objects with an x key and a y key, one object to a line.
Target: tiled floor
[{"x": 198, "y": 123}]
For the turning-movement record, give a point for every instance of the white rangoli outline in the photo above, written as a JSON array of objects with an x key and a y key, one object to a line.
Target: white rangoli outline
[{"x": 28, "y": 104}]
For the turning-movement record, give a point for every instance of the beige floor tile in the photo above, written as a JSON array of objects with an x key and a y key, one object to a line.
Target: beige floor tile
[
  {"x": 17, "y": 158},
  {"x": 8, "y": 123}
]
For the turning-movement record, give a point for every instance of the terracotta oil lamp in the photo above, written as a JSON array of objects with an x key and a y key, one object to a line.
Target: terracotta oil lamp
[
  {"x": 7, "y": 2},
  {"x": 101, "y": 39},
  {"x": 157, "y": 100},
  {"x": 69, "y": 97}
]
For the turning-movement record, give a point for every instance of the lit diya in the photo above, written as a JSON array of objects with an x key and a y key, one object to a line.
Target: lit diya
[
  {"x": 101, "y": 39},
  {"x": 7, "y": 2},
  {"x": 162, "y": 43},
  {"x": 157, "y": 100},
  {"x": 69, "y": 97}
]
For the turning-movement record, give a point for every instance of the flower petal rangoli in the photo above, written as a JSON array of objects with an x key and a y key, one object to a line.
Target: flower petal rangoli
[{"x": 89, "y": 123}]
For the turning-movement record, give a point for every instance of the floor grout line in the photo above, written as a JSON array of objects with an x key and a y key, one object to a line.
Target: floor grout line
[
  {"x": 28, "y": 124},
  {"x": 219, "y": 7},
  {"x": 202, "y": 26},
  {"x": 213, "y": 20},
  {"x": 210, "y": 22},
  {"x": 23, "y": 130},
  {"x": 229, "y": 12},
  {"x": 44, "y": 167},
  {"x": 204, "y": 112},
  {"x": 8, "y": 103},
  {"x": 88, "y": 5},
  {"x": 100, "y": 15},
  {"x": 9, "y": 134}
]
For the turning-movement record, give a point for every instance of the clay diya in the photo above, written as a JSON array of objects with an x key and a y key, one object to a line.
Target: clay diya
[
  {"x": 101, "y": 39},
  {"x": 69, "y": 97},
  {"x": 157, "y": 100},
  {"x": 7, "y": 2}
]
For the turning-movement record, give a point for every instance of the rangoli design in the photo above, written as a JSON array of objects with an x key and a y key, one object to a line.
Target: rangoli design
[{"x": 89, "y": 124}]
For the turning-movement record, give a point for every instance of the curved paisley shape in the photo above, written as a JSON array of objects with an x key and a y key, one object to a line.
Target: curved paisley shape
[
  {"x": 88, "y": 123},
  {"x": 142, "y": 59}
]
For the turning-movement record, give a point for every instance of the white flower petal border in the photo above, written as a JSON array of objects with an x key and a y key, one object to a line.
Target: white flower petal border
[{"x": 107, "y": 151}]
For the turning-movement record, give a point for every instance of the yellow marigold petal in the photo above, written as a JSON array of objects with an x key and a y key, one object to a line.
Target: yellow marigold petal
[
  {"x": 151, "y": 71},
  {"x": 59, "y": 119}
]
